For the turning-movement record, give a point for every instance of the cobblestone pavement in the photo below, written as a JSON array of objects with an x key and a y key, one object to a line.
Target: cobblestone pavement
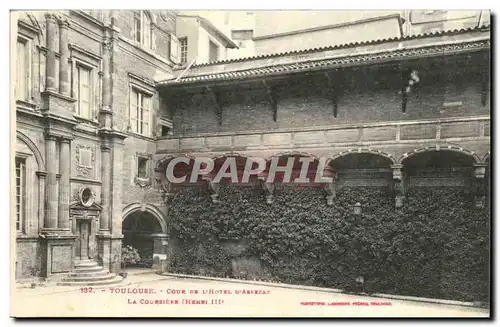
[{"x": 151, "y": 295}]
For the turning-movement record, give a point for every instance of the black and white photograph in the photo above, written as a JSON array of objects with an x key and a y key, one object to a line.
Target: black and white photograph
[{"x": 250, "y": 163}]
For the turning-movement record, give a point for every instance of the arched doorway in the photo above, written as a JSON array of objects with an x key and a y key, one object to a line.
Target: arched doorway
[
  {"x": 362, "y": 169},
  {"x": 142, "y": 231},
  {"x": 438, "y": 168}
]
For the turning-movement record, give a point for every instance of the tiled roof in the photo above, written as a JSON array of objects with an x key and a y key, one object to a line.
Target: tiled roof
[{"x": 326, "y": 63}]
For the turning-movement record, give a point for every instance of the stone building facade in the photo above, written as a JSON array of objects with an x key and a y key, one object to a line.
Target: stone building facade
[
  {"x": 87, "y": 114},
  {"x": 96, "y": 127}
]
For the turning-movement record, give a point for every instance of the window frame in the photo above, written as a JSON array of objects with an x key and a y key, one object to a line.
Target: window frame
[
  {"x": 28, "y": 66},
  {"x": 21, "y": 213},
  {"x": 183, "y": 49},
  {"x": 143, "y": 25},
  {"x": 146, "y": 168},
  {"x": 90, "y": 70},
  {"x": 142, "y": 94},
  {"x": 84, "y": 61},
  {"x": 210, "y": 43}
]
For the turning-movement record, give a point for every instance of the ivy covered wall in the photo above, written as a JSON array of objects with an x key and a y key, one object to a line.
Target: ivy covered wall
[{"x": 435, "y": 246}]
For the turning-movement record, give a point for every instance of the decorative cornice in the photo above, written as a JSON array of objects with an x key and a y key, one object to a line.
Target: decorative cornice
[
  {"x": 346, "y": 60},
  {"x": 86, "y": 52}
]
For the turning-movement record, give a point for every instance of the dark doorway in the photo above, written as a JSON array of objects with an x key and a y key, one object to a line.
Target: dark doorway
[{"x": 138, "y": 229}]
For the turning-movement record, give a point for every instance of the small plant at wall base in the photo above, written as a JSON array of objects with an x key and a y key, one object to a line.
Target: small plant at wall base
[
  {"x": 129, "y": 257},
  {"x": 35, "y": 272}
]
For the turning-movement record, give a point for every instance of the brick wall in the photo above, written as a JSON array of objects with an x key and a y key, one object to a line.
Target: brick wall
[
  {"x": 305, "y": 102},
  {"x": 133, "y": 63}
]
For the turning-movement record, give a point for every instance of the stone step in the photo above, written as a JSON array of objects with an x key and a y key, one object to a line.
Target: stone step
[
  {"x": 85, "y": 264},
  {"x": 114, "y": 280},
  {"x": 88, "y": 273},
  {"x": 87, "y": 269},
  {"x": 88, "y": 278}
]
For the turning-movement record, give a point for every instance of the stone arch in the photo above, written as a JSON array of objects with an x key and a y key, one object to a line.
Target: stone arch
[
  {"x": 450, "y": 148},
  {"x": 151, "y": 15},
  {"x": 32, "y": 146},
  {"x": 228, "y": 154},
  {"x": 153, "y": 210},
  {"x": 292, "y": 153},
  {"x": 362, "y": 151}
]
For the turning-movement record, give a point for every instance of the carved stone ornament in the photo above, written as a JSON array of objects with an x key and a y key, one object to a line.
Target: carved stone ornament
[
  {"x": 82, "y": 168},
  {"x": 86, "y": 196},
  {"x": 143, "y": 182},
  {"x": 107, "y": 44}
]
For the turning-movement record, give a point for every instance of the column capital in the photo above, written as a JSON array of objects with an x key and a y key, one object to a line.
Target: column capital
[
  {"x": 41, "y": 174},
  {"x": 480, "y": 170},
  {"x": 63, "y": 22},
  {"x": 397, "y": 172},
  {"x": 51, "y": 137},
  {"x": 65, "y": 139},
  {"x": 51, "y": 17}
]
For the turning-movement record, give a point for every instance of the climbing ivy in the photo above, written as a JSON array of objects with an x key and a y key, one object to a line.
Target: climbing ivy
[{"x": 435, "y": 246}]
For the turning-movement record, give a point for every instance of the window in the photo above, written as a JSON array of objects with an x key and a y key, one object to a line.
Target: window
[
  {"x": 140, "y": 108},
  {"x": 23, "y": 67},
  {"x": 142, "y": 28},
  {"x": 184, "y": 49},
  {"x": 213, "y": 54},
  {"x": 84, "y": 92},
  {"x": 142, "y": 167},
  {"x": 20, "y": 192},
  {"x": 165, "y": 130}
]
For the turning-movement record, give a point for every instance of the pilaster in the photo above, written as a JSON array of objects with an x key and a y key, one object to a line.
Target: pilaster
[
  {"x": 51, "y": 62},
  {"x": 64, "y": 81},
  {"x": 398, "y": 185},
  {"x": 64, "y": 185},
  {"x": 479, "y": 185},
  {"x": 51, "y": 198}
]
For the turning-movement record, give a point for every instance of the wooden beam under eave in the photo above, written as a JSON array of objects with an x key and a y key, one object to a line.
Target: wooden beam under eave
[
  {"x": 273, "y": 103},
  {"x": 215, "y": 96},
  {"x": 333, "y": 91}
]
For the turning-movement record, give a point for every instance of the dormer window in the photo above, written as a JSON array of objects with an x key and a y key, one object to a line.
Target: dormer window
[{"x": 143, "y": 28}]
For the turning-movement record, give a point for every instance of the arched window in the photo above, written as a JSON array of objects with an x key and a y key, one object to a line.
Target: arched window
[{"x": 143, "y": 28}]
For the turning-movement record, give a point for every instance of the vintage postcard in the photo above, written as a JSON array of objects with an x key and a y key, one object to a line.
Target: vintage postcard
[{"x": 170, "y": 163}]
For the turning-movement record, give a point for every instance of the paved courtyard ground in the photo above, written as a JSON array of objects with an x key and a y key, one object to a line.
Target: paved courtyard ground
[{"x": 151, "y": 295}]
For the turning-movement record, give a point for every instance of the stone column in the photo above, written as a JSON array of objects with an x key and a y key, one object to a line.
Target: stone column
[
  {"x": 330, "y": 188},
  {"x": 51, "y": 213},
  {"x": 268, "y": 189},
  {"x": 479, "y": 185},
  {"x": 397, "y": 177},
  {"x": 50, "y": 65},
  {"x": 64, "y": 82},
  {"x": 41, "y": 193},
  {"x": 116, "y": 200},
  {"x": 64, "y": 185},
  {"x": 105, "y": 116},
  {"x": 106, "y": 188}
]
